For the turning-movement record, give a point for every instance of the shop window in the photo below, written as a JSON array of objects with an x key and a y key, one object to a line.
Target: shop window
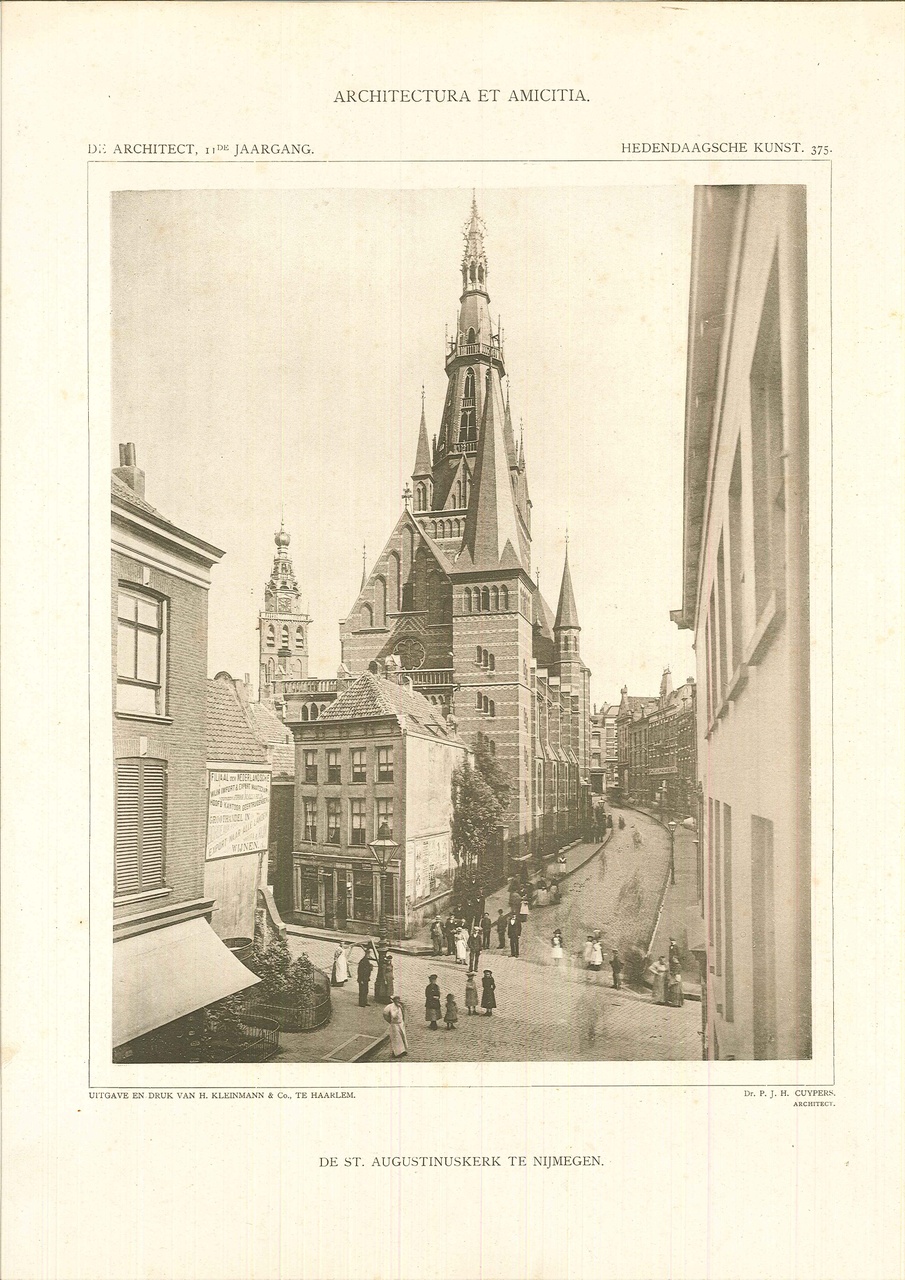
[
  {"x": 139, "y": 825},
  {"x": 310, "y": 895},
  {"x": 141, "y": 654},
  {"x": 362, "y": 894}
]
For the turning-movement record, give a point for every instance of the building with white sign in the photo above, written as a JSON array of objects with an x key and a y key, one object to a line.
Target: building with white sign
[{"x": 238, "y": 811}]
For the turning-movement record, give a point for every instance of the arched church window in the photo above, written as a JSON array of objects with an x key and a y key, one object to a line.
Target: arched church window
[
  {"x": 496, "y": 599},
  {"x": 477, "y": 599},
  {"x": 504, "y": 599},
  {"x": 271, "y": 634},
  {"x": 300, "y": 637},
  {"x": 480, "y": 273},
  {"x": 480, "y": 703},
  {"x": 467, "y": 420},
  {"x": 485, "y": 599},
  {"x": 380, "y": 602},
  {"x": 492, "y": 662},
  {"x": 468, "y": 599},
  {"x": 285, "y": 636},
  {"x": 367, "y": 616},
  {"x": 492, "y": 707},
  {"x": 471, "y": 273},
  {"x": 478, "y": 658},
  {"x": 305, "y": 713}
]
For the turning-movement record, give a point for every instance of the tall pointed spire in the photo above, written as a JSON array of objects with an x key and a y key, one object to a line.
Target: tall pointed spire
[
  {"x": 508, "y": 436},
  {"x": 566, "y": 611},
  {"x": 474, "y": 259},
  {"x": 491, "y": 538},
  {"x": 422, "y": 469}
]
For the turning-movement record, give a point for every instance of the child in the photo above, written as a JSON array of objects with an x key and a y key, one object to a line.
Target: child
[
  {"x": 488, "y": 996},
  {"x": 471, "y": 994},
  {"x": 451, "y": 1016}
]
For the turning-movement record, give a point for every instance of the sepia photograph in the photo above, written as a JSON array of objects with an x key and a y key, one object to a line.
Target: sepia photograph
[{"x": 460, "y": 625}]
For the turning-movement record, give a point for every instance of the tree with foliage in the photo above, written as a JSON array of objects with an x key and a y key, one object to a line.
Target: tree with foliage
[{"x": 480, "y": 795}]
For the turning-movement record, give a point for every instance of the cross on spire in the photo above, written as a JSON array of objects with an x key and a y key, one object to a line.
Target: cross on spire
[{"x": 407, "y": 495}]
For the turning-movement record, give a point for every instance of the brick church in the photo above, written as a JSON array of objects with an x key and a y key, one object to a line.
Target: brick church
[{"x": 453, "y": 595}]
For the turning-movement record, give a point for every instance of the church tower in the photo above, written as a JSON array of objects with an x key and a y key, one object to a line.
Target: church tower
[{"x": 282, "y": 627}]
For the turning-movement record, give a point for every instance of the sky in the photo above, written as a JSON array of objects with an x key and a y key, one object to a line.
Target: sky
[{"x": 268, "y": 352}]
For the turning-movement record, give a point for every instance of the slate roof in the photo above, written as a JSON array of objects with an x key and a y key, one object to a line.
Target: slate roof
[
  {"x": 423, "y": 455},
  {"x": 372, "y": 697},
  {"x": 491, "y": 537},
  {"x": 275, "y": 737},
  {"x": 228, "y": 733}
]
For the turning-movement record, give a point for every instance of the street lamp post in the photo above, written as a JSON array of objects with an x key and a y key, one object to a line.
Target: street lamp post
[
  {"x": 382, "y": 850},
  {"x": 672, "y": 824}
]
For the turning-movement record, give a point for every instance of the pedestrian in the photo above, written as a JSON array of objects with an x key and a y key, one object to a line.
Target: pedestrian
[
  {"x": 432, "y": 1011},
  {"x": 389, "y": 981},
  {"x": 515, "y": 897},
  {"x": 474, "y": 948},
  {"x": 488, "y": 987},
  {"x": 514, "y": 932},
  {"x": 621, "y": 823},
  {"x": 451, "y": 1016},
  {"x": 675, "y": 994},
  {"x": 588, "y": 951},
  {"x": 486, "y": 926},
  {"x": 596, "y": 955},
  {"x": 617, "y": 967},
  {"x": 340, "y": 974},
  {"x": 394, "y": 1015},
  {"x": 658, "y": 985},
  {"x": 501, "y": 928},
  {"x": 364, "y": 979},
  {"x": 673, "y": 953},
  {"x": 556, "y": 947},
  {"x": 461, "y": 945},
  {"x": 471, "y": 993},
  {"x": 437, "y": 937},
  {"x": 523, "y": 910},
  {"x": 554, "y": 892},
  {"x": 450, "y": 932}
]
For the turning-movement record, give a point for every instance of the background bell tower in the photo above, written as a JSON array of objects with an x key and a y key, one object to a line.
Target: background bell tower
[{"x": 282, "y": 627}]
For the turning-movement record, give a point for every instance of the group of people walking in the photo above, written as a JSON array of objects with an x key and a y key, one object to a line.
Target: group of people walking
[{"x": 464, "y": 944}]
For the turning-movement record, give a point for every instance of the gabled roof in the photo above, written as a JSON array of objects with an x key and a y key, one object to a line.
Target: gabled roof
[
  {"x": 566, "y": 612},
  {"x": 266, "y": 725},
  {"x": 491, "y": 538},
  {"x": 228, "y": 734},
  {"x": 371, "y": 697}
]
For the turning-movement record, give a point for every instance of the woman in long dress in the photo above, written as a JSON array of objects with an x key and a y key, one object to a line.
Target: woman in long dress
[
  {"x": 675, "y": 994},
  {"x": 340, "y": 966},
  {"x": 461, "y": 946},
  {"x": 394, "y": 1016},
  {"x": 658, "y": 988},
  {"x": 488, "y": 993},
  {"x": 596, "y": 955},
  {"x": 556, "y": 947}
]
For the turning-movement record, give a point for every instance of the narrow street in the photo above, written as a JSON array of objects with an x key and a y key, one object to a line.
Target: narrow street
[{"x": 545, "y": 1011}]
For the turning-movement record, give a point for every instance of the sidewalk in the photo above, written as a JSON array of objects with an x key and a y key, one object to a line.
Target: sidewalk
[
  {"x": 680, "y": 899},
  {"x": 352, "y": 1032}
]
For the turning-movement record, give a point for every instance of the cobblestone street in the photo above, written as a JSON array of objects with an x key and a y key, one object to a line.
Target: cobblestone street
[{"x": 547, "y": 1012}]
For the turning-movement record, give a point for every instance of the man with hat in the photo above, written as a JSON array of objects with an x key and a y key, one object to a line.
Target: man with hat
[{"x": 432, "y": 1010}]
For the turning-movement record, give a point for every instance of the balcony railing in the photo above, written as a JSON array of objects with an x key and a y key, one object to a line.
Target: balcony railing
[
  {"x": 431, "y": 676},
  {"x": 310, "y": 686},
  {"x": 469, "y": 349}
]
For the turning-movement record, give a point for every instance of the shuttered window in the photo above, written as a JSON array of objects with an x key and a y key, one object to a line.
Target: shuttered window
[{"x": 139, "y": 825}]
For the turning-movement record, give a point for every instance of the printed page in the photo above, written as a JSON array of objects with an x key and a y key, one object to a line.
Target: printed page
[{"x": 452, "y": 554}]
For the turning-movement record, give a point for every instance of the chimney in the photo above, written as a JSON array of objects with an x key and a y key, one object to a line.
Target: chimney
[{"x": 128, "y": 472}]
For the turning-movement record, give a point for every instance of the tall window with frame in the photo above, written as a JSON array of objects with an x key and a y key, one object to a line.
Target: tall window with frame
[
  {"x": 310, "y": 807},
  {"x": 384, "y": 764},
  {"x": 359, "y": 764},
  {"x": 357, "y": 822},
  {"x": 139, "y": 826},
  {"x": 384, "y": 814},
  {"x": 311, "y": 766},
  {"x": 140, "y": 653},
  {"x": 333, "y": 820},
  {"x": 334, "y": 768}
]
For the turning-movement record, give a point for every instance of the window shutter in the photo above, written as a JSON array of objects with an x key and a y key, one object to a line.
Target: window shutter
[
  {"x": 126, "y": 827},
  {"x": 153, "y": 822}
]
